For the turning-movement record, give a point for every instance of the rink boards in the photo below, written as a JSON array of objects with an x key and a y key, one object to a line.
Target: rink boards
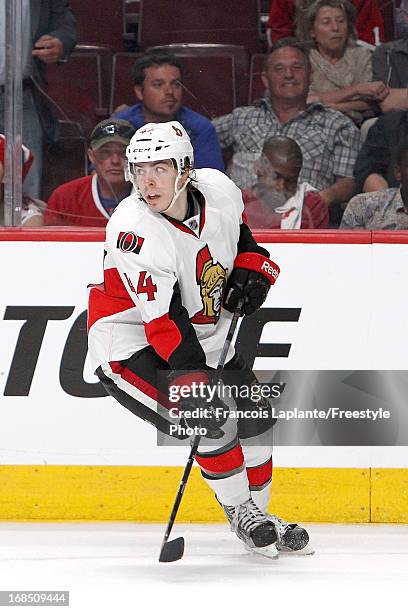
[{"x": 69, "y": 452}]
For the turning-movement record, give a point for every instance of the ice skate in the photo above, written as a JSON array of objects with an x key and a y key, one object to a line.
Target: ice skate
[
  {"x": 292, "y": 538},
  {"x": 252, "y": 527}
]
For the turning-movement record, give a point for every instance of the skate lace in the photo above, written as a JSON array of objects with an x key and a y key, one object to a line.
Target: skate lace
[{"x": 248, "y": 516}]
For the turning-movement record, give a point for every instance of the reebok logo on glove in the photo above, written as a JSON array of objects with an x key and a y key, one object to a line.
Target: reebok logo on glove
[{"x": 270, "y": 269}]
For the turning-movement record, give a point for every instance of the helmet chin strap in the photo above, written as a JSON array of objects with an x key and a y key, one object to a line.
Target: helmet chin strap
[{"x": 177, "y": 192}]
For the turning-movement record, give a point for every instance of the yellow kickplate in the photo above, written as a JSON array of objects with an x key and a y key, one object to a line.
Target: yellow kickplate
[
  {"x": 339, "y": 495},
  {"x": 54, "y": 492},
  {"x": 389, "y": 495}
]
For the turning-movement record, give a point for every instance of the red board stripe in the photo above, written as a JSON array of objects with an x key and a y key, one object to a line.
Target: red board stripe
[
  {"x": 67, "y": 234},
  {"x": 93, "y": 234}
]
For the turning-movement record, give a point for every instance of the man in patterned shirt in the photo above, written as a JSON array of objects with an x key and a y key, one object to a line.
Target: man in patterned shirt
[
  {"x": 382, "y": 210},
  {"x": 329, "y": 141}
]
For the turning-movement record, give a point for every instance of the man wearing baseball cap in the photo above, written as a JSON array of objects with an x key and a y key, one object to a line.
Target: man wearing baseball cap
[{"x": 90, "y": 200}]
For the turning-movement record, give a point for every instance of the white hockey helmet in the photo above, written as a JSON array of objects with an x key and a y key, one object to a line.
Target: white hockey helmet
[{"x": 160, "y": 141}]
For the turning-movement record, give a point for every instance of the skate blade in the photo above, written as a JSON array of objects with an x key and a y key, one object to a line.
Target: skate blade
[
  {"x": 303, "y": 552},
  {"x": 271, "y": 552}
]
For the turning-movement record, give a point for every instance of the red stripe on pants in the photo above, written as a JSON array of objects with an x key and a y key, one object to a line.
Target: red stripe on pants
[{"x": 135, "y": 380}]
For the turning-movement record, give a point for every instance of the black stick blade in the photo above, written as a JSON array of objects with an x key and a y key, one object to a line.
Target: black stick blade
[{"x": 172, "y": 550}]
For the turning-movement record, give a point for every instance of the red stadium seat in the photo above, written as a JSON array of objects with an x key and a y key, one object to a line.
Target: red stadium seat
[
  {"x": 100, "y": 23},
  {"x": 80, "y": 87},
  {"x": 122, "y": 82},
  {"x": 233, "y": 22},
  {"x": 256, "y": 87},
  {"x": 387, "y": 8}
]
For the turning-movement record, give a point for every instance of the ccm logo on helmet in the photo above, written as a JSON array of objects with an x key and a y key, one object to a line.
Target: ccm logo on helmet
[
  {"x": 129, "y": 242},
  {"x": 266, "y": 266}
]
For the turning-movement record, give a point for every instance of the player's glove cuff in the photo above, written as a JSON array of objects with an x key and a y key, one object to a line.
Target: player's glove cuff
[
  {"x": 249, "y": 283},
  {"x": 258, "y": 263}
]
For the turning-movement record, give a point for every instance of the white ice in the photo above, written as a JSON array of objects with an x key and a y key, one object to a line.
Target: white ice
[{"x": 114, "y": 566}]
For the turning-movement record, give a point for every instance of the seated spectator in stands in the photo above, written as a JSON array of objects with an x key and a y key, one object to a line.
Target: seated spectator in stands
[
  {"x": 278, "y": 200},
  {"x": 158, "y": 87},
  {"x": 31, "y": 209},
  {"x": 390, "y": 64},
  {"x": 341, "y": 71},
  {"x": 374, "y": 169},
  {"x": 90, "y": 200},
  {"x": 282, "y": 18},
  {"x": 382, "y": 210},
  {"x": 329, "y": 141}
]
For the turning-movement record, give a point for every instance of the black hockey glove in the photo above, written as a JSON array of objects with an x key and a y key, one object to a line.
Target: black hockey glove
[
  {"x": 200, "y": 407},
  {"x": 249, "y": 281}
]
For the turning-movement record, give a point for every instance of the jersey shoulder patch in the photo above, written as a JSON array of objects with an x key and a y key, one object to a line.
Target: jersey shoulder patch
[{"x": 129, "y": 242}]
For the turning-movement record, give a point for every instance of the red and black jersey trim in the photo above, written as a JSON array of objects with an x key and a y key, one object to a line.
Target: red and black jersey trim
[
  {"x": 185, "y": 228},
  {"x": 108, "y": 298}
]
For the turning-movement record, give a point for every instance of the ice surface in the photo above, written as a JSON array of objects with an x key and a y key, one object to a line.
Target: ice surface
[{"x": 113, "y": 566}]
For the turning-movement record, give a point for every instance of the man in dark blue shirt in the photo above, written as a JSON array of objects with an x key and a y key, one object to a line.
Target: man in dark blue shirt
[{"x": 157, "y": 77}]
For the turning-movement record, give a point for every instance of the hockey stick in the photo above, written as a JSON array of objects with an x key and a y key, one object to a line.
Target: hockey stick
[{"x": 173, "y": 550}]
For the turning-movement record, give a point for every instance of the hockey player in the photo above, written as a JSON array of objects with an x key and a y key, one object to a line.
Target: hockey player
[{"x": 178, "y": 260}]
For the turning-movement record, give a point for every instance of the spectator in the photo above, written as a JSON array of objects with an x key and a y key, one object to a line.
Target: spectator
[
  {"x": 329, "y": 141},
  {"x": 49, "y": 36},
  {"x": 31, "y": 209},
  {"x": 390, "y": 64},
  {"x": 382, "y": 210},
  {"x": 90, "y": 200},
  {"x": 278, "y": 200},
  {"x": 375, "y": 163},
  {"x": 341, "y": 71},
  {"x": 157, "y": 76},
  {"x": 282, "y": 18}
]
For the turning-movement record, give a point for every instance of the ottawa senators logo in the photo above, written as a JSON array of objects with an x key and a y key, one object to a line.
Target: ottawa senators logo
[
  {"x": 211, "y": 278},
  {"x": 129, "y": 242}
]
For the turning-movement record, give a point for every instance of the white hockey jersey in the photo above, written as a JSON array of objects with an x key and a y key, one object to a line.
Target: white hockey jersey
[{"x": 165, "y": 278}]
